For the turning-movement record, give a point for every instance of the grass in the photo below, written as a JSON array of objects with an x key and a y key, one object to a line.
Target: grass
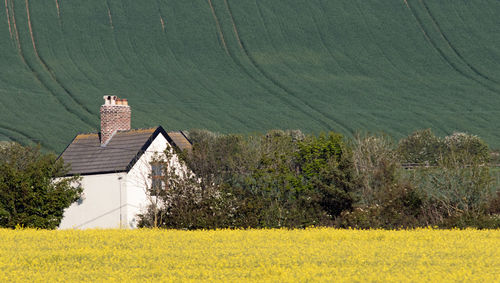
[
  {"x": 244, "y": 66},
  {"x": 316, "y": 254}
]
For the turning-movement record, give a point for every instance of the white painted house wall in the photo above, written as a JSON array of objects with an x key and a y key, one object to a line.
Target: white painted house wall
[
  {"x": 107, "y": 197},
  {"x": 138, "y": 181},
  {"x": 99, "y": 206}
]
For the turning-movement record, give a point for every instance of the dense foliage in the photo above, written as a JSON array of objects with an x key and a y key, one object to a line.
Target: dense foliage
[
  {"x": 280, "y": 179},
  {"x": 288, "y": 179},
  {"x": 444, "y": 185},
  {"x": 424, "y": 148},
  {"x": 29, "y": 194}
]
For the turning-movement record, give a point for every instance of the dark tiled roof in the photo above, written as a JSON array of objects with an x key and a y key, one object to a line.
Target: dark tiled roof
[
  {"x": 86, "y": 156},
  {"x": 181, "y": 141}
]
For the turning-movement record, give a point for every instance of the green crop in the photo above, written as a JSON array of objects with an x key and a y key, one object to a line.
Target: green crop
[{"x": 244, "y": 66}]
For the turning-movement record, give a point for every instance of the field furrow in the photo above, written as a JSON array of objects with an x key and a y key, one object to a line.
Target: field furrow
[
  {"x": 8, "y": 17},
  {"x": 321, "y": 117},
  {"x": 47, "y": 67},
  {"x": 452, "y": 63},
  {"x": 37, "y": 74},
  {"x": 243, "y": 66},
  {"x": 217, "y": 24},
  {"x": 455, "y": 50}
]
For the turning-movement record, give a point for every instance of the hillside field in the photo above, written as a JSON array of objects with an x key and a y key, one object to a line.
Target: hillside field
[
  {"x": 245, "y": 66},
  {"x": 306, "y": 255}
]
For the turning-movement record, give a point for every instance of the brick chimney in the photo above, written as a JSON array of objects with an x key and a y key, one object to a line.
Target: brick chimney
[{"x": 115, "y": 116}]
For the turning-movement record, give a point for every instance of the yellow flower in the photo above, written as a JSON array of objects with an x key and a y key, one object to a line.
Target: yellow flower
[{"x": 269, "y": 255}]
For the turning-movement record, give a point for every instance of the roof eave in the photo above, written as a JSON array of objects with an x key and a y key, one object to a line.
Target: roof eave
[{"x": 97, "y": 173}]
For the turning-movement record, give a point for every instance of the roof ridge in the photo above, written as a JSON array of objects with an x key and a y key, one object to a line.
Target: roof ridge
[{"x": 137, "y": 129}]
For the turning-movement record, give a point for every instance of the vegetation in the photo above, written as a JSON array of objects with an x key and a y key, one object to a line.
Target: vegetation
[
  {"x": 29, "y": 194},
  {"x": 424, "y": 148},
  {"x": 243, "y": 66},
  {"x": 280, "y": 179},
  {"x": 288, "y": 179},
  {"x": 444, "y": 184},
  {"x": 278, "y": 255}
]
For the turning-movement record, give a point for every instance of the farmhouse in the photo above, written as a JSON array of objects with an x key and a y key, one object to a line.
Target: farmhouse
[{"x": 116, "y": 168}]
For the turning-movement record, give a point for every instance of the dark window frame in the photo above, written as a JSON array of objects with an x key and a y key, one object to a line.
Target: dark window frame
[{"x": 157, "y": 183}]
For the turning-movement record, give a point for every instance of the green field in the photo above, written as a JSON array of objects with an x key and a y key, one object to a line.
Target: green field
[{"x": 244, "y": 66}]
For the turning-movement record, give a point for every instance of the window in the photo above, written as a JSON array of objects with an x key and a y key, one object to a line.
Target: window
[{"x": 156, "y": 178}]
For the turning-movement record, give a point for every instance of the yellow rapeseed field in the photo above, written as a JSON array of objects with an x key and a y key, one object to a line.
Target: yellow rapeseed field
[{"x": 315, "y": 254}]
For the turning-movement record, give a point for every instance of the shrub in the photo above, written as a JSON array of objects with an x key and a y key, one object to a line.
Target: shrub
[
  {"x": 456, "y": 187},
  {"x": 288, "y": 179},
  {"x": 467, "y": 148},
  {"x": 385, "y": 197},
  {"x": 33, "y": 189},
  {"x": 468, "y": 220},
  {"x": 421, "y": 147},
  {"x": 494, "y": 204},
  {"x": 424, "y": 148},
  {"x": 279, "y": 179},
  {"x": 326, "y": 168}
]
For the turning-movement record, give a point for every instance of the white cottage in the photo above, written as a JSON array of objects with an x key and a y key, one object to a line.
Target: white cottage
[{"x": 116, "y": 168}]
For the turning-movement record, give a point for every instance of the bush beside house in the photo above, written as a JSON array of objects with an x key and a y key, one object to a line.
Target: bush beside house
[{"x": 33, "y": 189}]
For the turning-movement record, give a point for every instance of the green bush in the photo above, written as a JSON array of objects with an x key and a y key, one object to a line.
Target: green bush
[
  {"x": 421, "y": 147},
  {"x": 424, "y": 148},
  {"x": 385, "y": 198},
  {"x": 33, "y": 189},
  {"x": 494, "y": 204},
  {"x": 278, "y": 179},
  {"x": 457, "y": 186},
  {"x": 288, "y": 179},
  {"x": 326, "y": 169},
  {"x": 467, "y": 148},
  {"x": 467, "y": 220}
]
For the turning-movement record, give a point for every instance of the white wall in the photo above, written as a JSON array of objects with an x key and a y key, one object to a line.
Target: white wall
[
  {"x": 101, "y": 205},
  {"x": 138, "y": 179}
]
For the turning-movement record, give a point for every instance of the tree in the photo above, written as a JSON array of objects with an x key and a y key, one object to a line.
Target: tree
[
  {"x": 183, "y": 199},
  {"x": 461, "y": 184},
  {"x": 424, "y": 148},
  {"x": 33, "y": 188},
  {"x": 326, "y": 167},
  {"x": 385, "y": 198},
  {"x": 376, "y": 163},
  {"x": 421, "y": 147},
  {"x": 277, "y": 179},
  {"x": 467, "y": 148}
]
